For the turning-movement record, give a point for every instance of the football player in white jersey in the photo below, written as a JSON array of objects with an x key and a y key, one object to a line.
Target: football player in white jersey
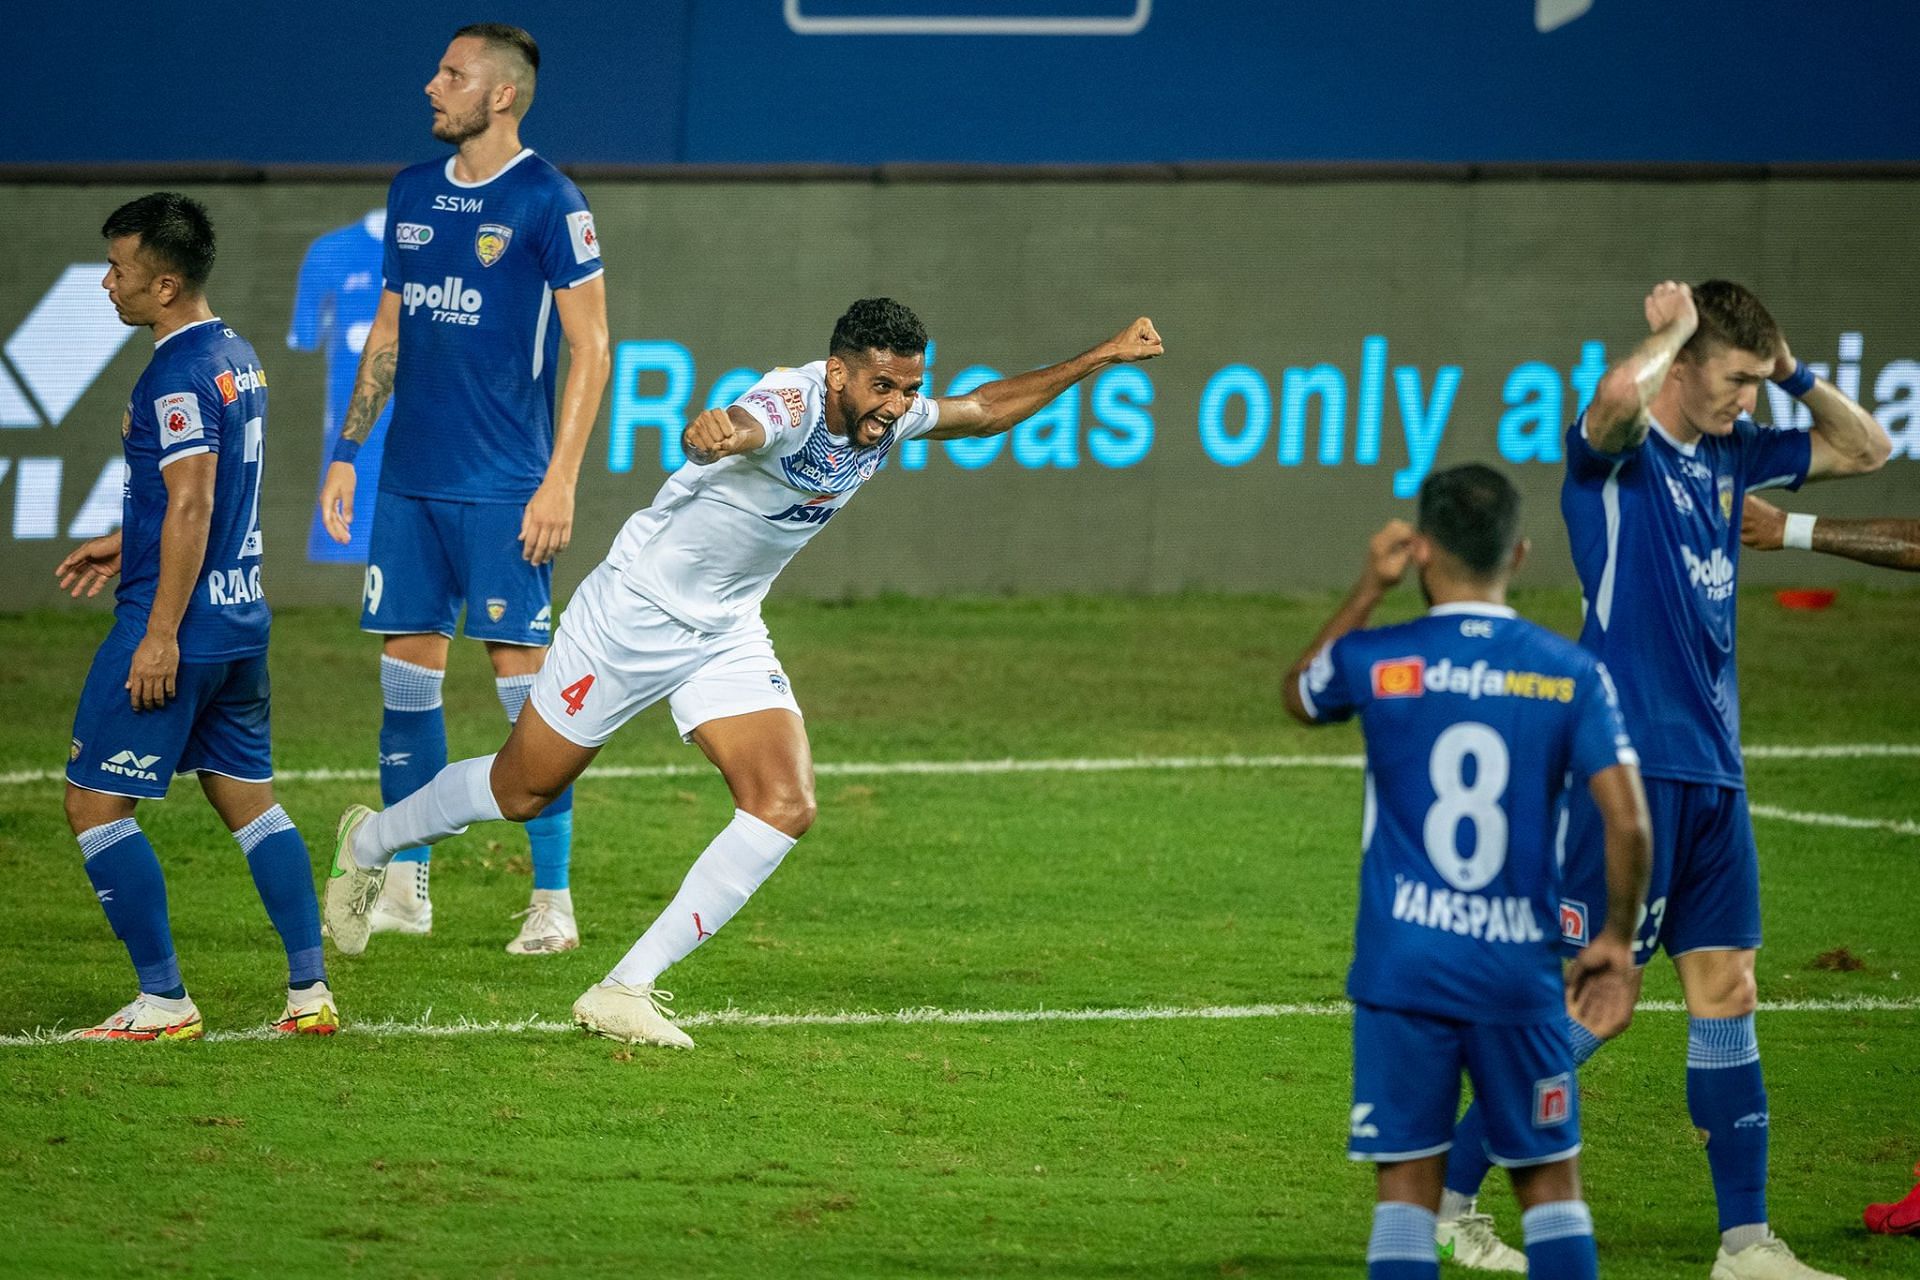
[{"x": 674, "y": 613}]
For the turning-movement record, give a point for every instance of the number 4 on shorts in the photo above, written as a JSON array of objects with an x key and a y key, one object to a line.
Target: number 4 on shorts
[{"x": 575, "y": 694}]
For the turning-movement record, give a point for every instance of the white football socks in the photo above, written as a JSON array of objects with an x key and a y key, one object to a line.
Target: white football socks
[
  {"x": 458, "y": 796},
  {"x": 721, "y": 880}
]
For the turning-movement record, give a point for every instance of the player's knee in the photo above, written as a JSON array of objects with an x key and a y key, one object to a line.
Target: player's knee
[
  {"x": 1726, "y": 993},
  {"x": 790, "y": 808},
  {"x": 521, "y": 803},
  {"x": 89, "y": 809}
]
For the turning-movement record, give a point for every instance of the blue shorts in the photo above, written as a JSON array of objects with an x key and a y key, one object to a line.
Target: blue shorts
[
  {"x": 429, "y": 556},
  {"x": 1406, "y": 1087},
  {"x": 1704, "y": 890},
  {"x": 216, "y": 723}
]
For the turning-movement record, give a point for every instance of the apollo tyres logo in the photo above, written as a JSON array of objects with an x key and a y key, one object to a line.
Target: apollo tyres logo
[
  {"x": 1713, "y": 573},
  {"x": 449, "y": 302}
]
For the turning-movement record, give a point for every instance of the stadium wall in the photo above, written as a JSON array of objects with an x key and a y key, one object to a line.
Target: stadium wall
[
  {"x": 1329, "y": 342},
  {"x": 864, "y": 82}
]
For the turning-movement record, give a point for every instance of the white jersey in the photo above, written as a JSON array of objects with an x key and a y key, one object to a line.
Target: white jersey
[{"x": 715, "y": 537}]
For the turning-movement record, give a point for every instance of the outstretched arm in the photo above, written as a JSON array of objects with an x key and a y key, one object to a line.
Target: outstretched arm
[
  {"x": 372, "y": 387},
  {"x": 997, "y": 406},
  {"x": 1387, "y": 556},
  {"x": 1891, "y": 544},
  {"x": 1617, "y": 419}
]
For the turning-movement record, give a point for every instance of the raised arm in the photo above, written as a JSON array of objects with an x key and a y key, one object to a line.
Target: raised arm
[
  {"x": 1600, "y": 982},
  {"x": 1387, "y": 556},
  {"x": 997, "y": 406},
  {"x": 546, "y": 527},
  {"x": 1617, "y": 418},
  {"x": 1891, "y": 544},
  {"x": 372, "y": 387},
  {"x": 1847, "y": 441}
]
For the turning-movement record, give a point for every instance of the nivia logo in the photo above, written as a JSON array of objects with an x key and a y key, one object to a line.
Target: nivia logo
[
  {"x": 129, "y": 765},
  {"x": 66, "y": 341},
  {"x": 1357, "y": 1124}
]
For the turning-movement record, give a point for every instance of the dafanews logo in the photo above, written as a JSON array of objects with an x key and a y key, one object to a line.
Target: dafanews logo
[
  {"x": 1713, "y": 575},
  {"x": 1475, "y": 682},
  {"x": 129, "y": 765},
  {"x": 1398, "y": 677},
  {"x": 449, "y": 302}
]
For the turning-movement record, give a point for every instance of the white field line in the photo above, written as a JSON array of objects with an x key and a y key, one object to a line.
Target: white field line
[
  {"x": 1126, "y": 764},
  {"x": 424, "y": 1026},
  {"x": 1114, "y": 764}
]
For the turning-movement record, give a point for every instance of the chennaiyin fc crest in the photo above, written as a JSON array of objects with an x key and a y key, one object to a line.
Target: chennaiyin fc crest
[
  {"x": 1726, "y": 497},
  {"x": 490, "y": 242}
]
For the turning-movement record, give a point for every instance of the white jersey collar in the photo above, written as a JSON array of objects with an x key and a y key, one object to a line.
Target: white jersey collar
[
  {"x": 469, "y": 186},
  {"x": 183, "y": 329},
  {"x": 1476, "y": 607},
  {"x": 1686, "y": 449}
]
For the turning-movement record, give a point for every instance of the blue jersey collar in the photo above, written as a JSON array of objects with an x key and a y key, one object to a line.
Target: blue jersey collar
[{"x": 1686, "y": 449}]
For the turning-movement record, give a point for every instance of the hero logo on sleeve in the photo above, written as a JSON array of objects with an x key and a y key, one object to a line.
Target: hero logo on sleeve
[
  {"x": 586, "y": 244},
  {"x": 179, "y": 418}
]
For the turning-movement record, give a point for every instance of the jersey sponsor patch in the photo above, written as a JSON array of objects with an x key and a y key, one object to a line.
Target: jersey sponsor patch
[
  {"x": 1573, "y": 921},
  {"x": 586, "y": 242},
  {"x": 412, "y": 235},
  {"x": 179, "y": 418},
  {"x": 796, "y": 402},
  {"x": 229, "y": 386},
  {"x": 1399, "y": 678},
  {"x": 1552, "y": 1101}
]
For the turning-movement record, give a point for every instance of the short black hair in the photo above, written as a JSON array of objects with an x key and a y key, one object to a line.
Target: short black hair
[
  {"x": 878, "y": 324},
  {"x": 1473, "y": 512},
  {"x": 174, "y": 228},
  {"x": 504, "y": 36}
]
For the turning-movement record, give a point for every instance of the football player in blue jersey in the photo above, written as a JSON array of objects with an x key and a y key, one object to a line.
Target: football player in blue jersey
[
  {"x": 484, "y": 251},
  {"x": 1476, "y": 725},
  {"x": 1658, "y": 467},
  {"x": 180, "y": 683}
]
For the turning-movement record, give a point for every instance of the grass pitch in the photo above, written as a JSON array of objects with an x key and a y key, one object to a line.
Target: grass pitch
[{"x": 1176, "y": 1147}]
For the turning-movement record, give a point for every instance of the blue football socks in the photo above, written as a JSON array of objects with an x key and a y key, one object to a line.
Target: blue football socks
[
  {"x": 283, "y": 873},
  {"x": 413, "y": 735},
  {"x": 1401, "y": 1246},
  {"x": 1728, "y": 1101},
  {"x": 126, "y": 878},
  {"x": 1560, "y": 1241}
]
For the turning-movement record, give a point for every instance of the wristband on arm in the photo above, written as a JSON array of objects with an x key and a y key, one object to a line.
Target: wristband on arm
[
  {"x": 1799, "y": 532},
  {"x": 345, "y": 450},
  {"x": 1797, "y": 383}
]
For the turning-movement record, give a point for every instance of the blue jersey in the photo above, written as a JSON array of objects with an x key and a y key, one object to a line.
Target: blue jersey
[
  {"x": 333, "y": 308},
  {"x": 1655, "y": 533},
  {"x": 203, "y": 392},
  {"x": 476, "y": 265},
  {"x": 1476, "y": 723}
]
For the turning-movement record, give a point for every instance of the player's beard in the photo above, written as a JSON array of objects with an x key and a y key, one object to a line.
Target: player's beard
[{"x": 457, "y": 129}]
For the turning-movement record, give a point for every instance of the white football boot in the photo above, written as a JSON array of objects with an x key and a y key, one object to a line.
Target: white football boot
[
  {"x": 309, "y": 1013},
  {"x": 403, "y": 905},
  {"x": 636, "y": 1015},
  {"x": 351, "y": 888},
  {"x": 547, "y": 925},
  {"x": 148, "y": 1018},
  {"x": 1469, "y": 1241},
  {"x": 1768, "y": 1260}
]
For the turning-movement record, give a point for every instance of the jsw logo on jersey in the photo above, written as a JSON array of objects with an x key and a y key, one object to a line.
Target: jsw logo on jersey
[
  {"x": 449, "y": 302},
  {"x": 812, "y": 511},
  {"x": 1713, "y": 575}
]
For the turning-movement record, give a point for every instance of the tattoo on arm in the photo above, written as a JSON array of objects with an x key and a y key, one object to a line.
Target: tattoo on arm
[{"x": 370, "y": 393}]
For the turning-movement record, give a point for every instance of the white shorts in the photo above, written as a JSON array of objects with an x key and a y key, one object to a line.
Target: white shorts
[{"x": 616, "y": 653}]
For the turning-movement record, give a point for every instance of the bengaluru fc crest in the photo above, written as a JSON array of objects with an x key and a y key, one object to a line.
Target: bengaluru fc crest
[{"x": 490, "y": 242}]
